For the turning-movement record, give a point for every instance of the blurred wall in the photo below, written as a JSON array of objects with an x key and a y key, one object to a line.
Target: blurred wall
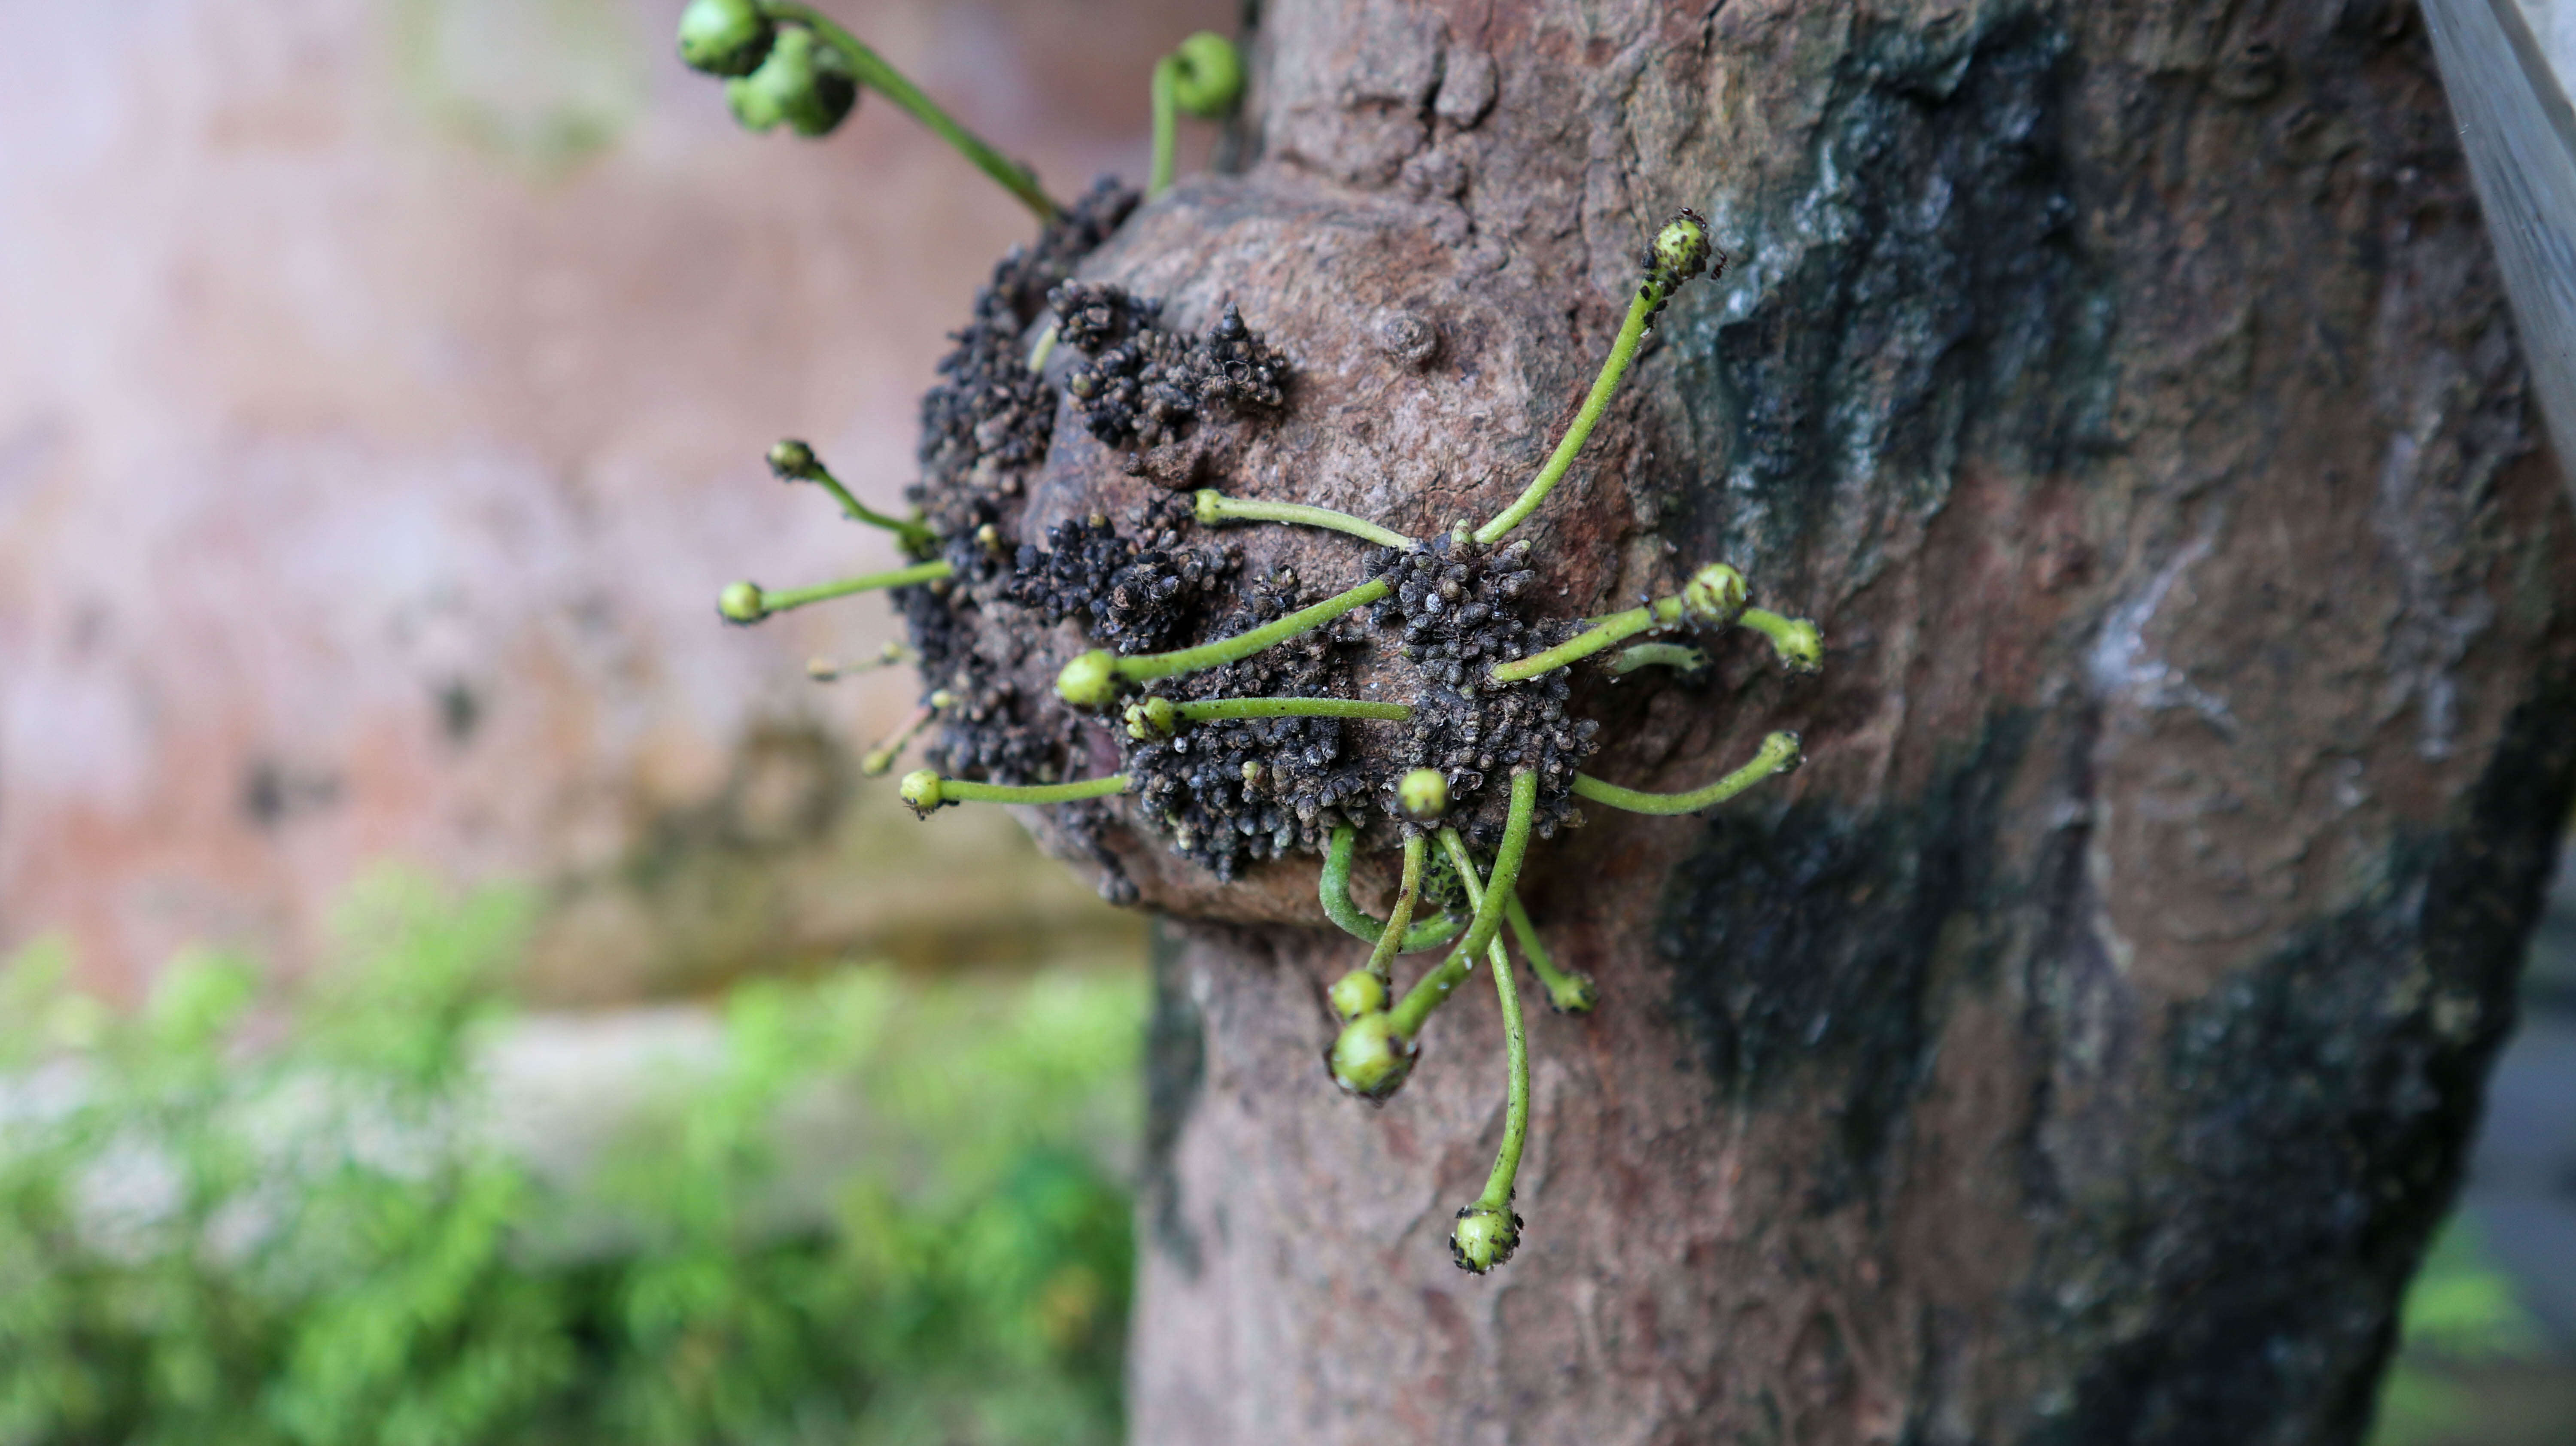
[{"x": 382, "y": 394}]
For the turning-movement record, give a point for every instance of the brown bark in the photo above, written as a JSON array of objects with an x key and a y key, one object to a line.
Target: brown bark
[{"x": 2080, "y": 1048}]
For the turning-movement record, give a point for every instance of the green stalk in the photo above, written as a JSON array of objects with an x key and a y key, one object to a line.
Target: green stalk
[
  {"x": 880, "y": 759},
  {"x": 1215, "y": 507},
  {"x": 1507, "y": 1160},
  {"x": 965, "y": 791},
  {"x": 1391, "y": 939},
  {"x": 1167, "y": 125},
  {"x": 1676, "y": 656},
  {"x": 925, "y": 790},
  {"x": 872, "y": 72},
  {"x": 1334, "y": 890},
  {"x": 1778, "y": 754},
  {"x": 1091, "y": 679},
  {"x": 1617, "y": 627},
  {"x": 1433, "y": 989},
  {"x": 913, "y": 537},
  {"x": 1800, "y": 647},
  {"x": 797, "y": 597},
  {"x": 1623, "y": 350},
  {"x": 1211, "y": 710},
  {"x": 1570, "y": 993},
  {"x": 1243, "y": 645}
]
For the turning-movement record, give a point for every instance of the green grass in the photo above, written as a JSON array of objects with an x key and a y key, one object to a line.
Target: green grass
[
  {"x": 2473, "y": 1368},
  {"x": 223, "y": 1219}
]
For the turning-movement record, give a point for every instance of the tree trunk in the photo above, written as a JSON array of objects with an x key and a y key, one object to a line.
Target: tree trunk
[{"x": 2080, "y": 1048}]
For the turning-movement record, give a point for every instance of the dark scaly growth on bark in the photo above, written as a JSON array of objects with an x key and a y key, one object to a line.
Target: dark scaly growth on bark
[
  {"x": 1458, "y": 610},
  {"x": 1144, "y": 385}
]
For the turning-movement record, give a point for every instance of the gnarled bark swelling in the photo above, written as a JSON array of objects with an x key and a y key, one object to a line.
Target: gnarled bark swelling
[{"x": 2080, "y": 1048}]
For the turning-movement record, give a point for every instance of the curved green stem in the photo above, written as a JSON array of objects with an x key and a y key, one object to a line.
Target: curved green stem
[
  {"x": 1433, "y": 988},
  {"x": 1507, "y": 1160},
  {"x": 1623, "y": 350},
  {"x": 880, "y": 759},
  {"x": 1140, "y": 666},
  {"x": 1045, "y": 348},
  {"x": 1167, "y": 125},
  {"x": 1215, "y": 507},
  {"x": 797, "y": 597},
  {"x": 1570, "y": 993},
  {"x": 1334, "y": 890},
  {"x": 1390, "y": 940},
  {"x": 872, "y": 72},
  {"x": 913, "y": 537},
  {"x": 824, "y": 670},
  {"x": 1800, "y": 647},
  {"x": 1778, "y": 754},
  {"x": 1676, "y": 656},
  {"x": 1617, "y": 627},
  {"x": 1211, "y": 710}
]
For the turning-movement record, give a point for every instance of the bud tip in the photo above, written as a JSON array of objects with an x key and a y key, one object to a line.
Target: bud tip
[
  {"x": 1423, "y": 794},
  {"x": 1089, "y": 681},
  {"x": 742, "y": 602}
]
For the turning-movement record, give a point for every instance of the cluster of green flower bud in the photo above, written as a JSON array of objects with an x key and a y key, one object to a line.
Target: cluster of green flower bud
[
  {"x": 775, "y": 74},
  {"x": 788, "y": 64}
]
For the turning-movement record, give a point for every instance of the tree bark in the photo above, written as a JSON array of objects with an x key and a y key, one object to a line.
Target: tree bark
[{"x": 2080, "y": 1048}]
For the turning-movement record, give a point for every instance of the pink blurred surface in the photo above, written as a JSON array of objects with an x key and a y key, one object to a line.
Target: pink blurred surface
[{"x": 382, "y": 395}]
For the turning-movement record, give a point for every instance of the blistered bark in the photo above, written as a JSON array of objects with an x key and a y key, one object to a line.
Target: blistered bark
[{"x": 2080, "y": 1048}]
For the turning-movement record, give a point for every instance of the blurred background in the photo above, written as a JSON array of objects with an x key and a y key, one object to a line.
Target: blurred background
[{"x": 455, "y": 990}]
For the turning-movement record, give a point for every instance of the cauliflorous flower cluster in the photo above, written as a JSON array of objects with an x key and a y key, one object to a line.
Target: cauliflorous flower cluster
[{"x": 1228, "y": 695}]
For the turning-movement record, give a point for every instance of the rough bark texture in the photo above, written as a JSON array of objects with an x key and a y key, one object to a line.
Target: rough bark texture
[{"x": 2080, "y": 1048}]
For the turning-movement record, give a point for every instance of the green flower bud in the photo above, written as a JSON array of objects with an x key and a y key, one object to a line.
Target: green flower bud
[
  {"x": 1714, "y": 595},
  {"x": 1574, "y": 994},
  {"x": 741, "y": 602},
  {"x": 1207, "y": 76},
  {"x": 1089, "y": 681},
  {"x": 1356, "y": 993},
  {"x": 1801, "y": 646},
  {"x": 724, "y": 37},
  {"x": 1681, "y": 250},
  {"x": 1370, "y": 1059},
  {"x": 1484, "y": 1238},
  {"x": 803, "y": 83},
  {"x": 1423, "y": 794},
  {"x": 794, "y": 461},
  {"x": 920, "y": 788},
  {"x": 1152, "y": 718}
]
